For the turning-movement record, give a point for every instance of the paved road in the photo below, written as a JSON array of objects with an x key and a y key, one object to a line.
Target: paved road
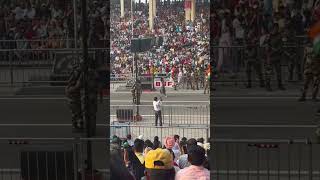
[
  {"x": 52, "y": 118},
  {"x": 255, "y": 114}
]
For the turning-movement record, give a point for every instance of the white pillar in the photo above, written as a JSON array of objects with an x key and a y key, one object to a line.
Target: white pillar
[
  {"x": 187, "y": 9},
  {"x": 151, "y": 14},
  {"x": 122, "y": 8},
  {"x": 275, "y": 5},
  {"x": 193, "y": 10},
  {"x": 154, "y": 5}
]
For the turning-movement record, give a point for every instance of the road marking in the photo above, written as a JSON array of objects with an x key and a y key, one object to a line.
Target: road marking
[
  {"x": 259, "y": 97},
  {"x": 262, "y": 126},
  {"x": 163, "y": 101}
]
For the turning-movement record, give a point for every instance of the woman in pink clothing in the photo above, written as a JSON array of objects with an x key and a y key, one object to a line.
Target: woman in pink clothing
[{"x": 196, "y": 157}]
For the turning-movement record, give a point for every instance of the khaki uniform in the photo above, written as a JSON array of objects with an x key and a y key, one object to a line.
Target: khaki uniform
[
  {"x": 311, "y": 74},
  {"x": 73, "y": 93}
]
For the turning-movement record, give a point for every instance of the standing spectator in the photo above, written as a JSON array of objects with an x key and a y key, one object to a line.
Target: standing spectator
[
  {"x": 196, "y": 157},
  {"x": 157, "y": 110}
]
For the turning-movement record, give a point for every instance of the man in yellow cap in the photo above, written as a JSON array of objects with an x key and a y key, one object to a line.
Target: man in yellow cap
[{"x": 159, "y": 165}]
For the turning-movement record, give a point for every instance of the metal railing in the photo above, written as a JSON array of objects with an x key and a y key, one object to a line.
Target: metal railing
[
  {"x": 172, "y": 115},
  {"x": 149, "y": 132},
  {"x": 265, "y": 159},
  {"x": 21, "y": 66},
  {"x": 37, "y": 43},
  {"x": 52, "y": 158},
  {"x": 233, "y": 63}
]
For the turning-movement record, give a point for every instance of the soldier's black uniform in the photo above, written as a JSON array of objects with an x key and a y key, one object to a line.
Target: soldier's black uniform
[
  {"x": 252, "y": 61},
  {"x": 274, "y": 50}
]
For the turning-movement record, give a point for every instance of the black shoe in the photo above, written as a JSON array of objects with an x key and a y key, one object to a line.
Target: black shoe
[
  {"x": 302, "y": 98},
  {"x": 281, "y": 87},
  {"x": 248, "y": 86},
  {"x": 262, "y": 85},
  {"x": 268, "y": 88}
]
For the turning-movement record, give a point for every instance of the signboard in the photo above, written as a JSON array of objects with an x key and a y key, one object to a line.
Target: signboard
[
  {"x": 157, "y": 84},
  {"x": 187, "y": 5}
]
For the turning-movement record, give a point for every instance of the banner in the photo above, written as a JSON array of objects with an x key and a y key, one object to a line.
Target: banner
[{"x": 187, "y": 4}]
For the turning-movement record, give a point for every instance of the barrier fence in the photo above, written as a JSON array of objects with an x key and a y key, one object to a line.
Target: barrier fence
[
  {"x": 149, "y": 132},
  {"x": 172, "y": 115},
  {"x": 52, "y": 159},
  {"x": 265, "y": 159},
  {"x": 24, "y": 65},
  {"x": 232, "y": 63}
]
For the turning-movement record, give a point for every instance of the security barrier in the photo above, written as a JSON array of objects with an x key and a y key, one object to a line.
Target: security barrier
[
  {"x": 265, "y": 159},
  {"x": 172, "y": 115}
]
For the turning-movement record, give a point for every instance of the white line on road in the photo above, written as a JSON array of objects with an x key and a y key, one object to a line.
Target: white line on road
[
  {"x": 163, "y": 101},
  {"x": 258, "y": 97},
  {"x": 63, "y": 98},
  {"x": 262, "y": 126}
]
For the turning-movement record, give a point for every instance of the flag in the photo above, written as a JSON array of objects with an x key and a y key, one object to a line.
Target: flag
[{"x": 314, "y": 34}]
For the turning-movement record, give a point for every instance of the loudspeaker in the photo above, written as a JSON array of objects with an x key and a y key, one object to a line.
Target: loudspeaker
[
  {"x": 48, "y": 163},
  {"x": 141, "y": 44},
  {"x": 124, "y": 114}
]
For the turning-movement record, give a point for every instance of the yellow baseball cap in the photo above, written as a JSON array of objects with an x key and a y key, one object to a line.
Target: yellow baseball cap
[{"x": 159, "y": 159}]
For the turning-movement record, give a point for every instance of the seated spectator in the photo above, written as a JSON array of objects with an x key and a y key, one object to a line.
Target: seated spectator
[
  {"x": 156, "y": 143},
  {"x": 196, "y": 157},
  {"x": 136, "y": 159},
  {"x": 159, "y": 165}
]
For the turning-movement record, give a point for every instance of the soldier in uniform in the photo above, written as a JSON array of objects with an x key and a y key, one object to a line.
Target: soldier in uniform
[
  {"x": 138, "y": 91},
  {"x": 311, "y": 74},
  {"x": 207, "y": 84},
  {"x": 290, "y": 53},
  {"x": 274, "y": 49},
  {"x": 196, "y": 76},
  {"x": 73, "y": 93},
  {"x": 189, "y": 78},
  {"x": 252, "y": 59},
  {"x": 133, "y": 92}
]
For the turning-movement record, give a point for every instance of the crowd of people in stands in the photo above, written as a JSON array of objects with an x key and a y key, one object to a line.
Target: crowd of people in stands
[
  {"x": 174, "y": 158},
  {"x": 34, "y": 24},
  {"x": 183, "y": 47}
]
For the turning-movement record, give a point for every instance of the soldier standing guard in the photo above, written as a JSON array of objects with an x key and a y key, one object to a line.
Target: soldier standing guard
[
  {"x": 311, "y": 74},
  {"x": 133, "y": 93},
  {"x": 274, "y": 58},
  {"x": 138, "y": 91},
  {"x": 73, "y": 93},
  {"x": 252, "y": 59}
]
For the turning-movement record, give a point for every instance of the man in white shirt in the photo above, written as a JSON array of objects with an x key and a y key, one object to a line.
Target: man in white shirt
[{"x": 157, "y": 110}]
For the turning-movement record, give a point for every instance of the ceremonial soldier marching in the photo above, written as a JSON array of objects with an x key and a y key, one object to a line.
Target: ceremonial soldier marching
[{"x": 311, "y": 74}]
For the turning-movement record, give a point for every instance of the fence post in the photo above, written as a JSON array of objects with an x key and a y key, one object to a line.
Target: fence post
[
  {"x": 75, "y": 159},
  {"x": 11, "y": 67},
  {"x": 310, "y": 160}
]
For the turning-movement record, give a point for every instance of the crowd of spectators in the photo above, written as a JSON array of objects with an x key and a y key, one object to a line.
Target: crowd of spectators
[
  {"x": 172, "y": 159},
  {"x": 34, "y": 24},
  {"x": 183, "y": 44}
]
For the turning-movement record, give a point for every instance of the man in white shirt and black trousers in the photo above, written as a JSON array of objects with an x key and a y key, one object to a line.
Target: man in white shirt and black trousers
[{"x": 157, "y": 110}]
